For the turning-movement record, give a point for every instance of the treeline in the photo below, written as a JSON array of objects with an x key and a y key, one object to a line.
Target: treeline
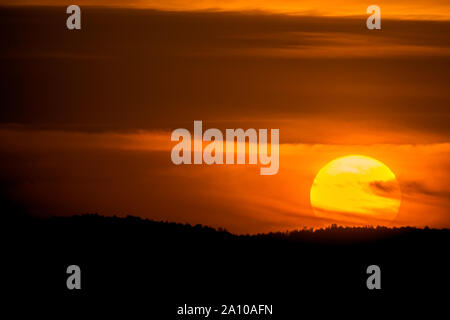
[{"x": 330, "y": 234}]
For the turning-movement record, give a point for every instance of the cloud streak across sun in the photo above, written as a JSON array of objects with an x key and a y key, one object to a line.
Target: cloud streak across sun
[{"x": 344, "y": 187}]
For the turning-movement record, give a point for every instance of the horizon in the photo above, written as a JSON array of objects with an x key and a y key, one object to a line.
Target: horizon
[{"x": 306, "y": 229}]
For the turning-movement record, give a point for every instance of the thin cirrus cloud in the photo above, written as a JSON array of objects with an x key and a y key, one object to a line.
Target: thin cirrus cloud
[{"x": 406, "y": 9}]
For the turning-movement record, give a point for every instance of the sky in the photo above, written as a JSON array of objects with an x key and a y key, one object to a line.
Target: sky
[
  {"x": 86, "y": 116},
  {"x": 405, "y": 9}
]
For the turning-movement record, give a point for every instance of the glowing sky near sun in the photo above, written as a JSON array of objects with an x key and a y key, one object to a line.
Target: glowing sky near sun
[{"x": 132, "y": 174}]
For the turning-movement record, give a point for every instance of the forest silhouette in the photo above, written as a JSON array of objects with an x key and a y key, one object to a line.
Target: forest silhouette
[{"x": 173, "y": 263}]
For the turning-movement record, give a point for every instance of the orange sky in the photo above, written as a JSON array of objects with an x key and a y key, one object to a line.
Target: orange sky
[
  {"x": 86, "y": 116},
  {"x": 67, "y": 172}
]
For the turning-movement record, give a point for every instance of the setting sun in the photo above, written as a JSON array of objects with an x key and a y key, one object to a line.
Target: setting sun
[{"x": 357, "y": 189}]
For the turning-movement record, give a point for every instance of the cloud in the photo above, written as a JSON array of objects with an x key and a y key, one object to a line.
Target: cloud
[
  {"x": 405, "y": 9},
  {"x": 154, "y": 70},
  {"x": 417, "y": 188},
  {"x": 385, "y": 188}
]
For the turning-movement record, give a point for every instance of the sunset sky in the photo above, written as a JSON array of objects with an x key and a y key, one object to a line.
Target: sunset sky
[{"x": 86, "y": 116}]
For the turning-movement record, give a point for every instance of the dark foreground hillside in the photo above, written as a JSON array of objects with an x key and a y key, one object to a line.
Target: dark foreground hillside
[{"x": 159, "y": 266}]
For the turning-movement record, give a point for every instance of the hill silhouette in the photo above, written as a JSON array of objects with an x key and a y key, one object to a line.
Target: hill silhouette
[{"x": 172, "y": 263}]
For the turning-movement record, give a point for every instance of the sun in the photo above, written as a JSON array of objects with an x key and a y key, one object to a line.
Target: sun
[{"x": 356, "y": 189}]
